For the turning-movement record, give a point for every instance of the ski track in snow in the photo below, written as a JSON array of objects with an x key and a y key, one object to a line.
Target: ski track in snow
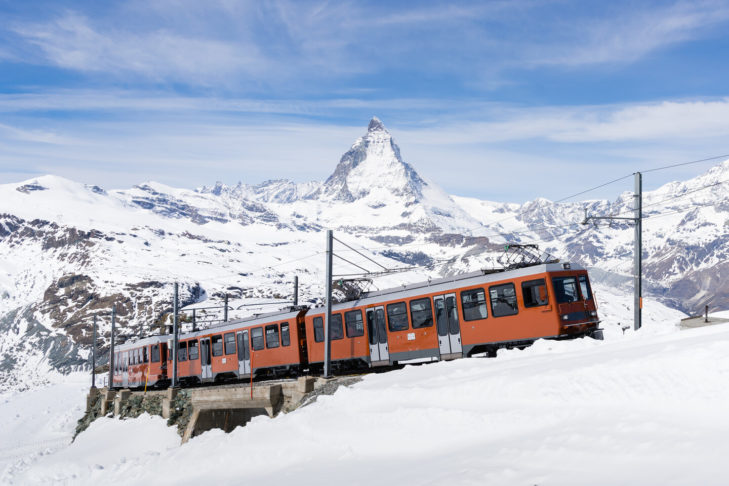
[{"x": 639, "y": 408}]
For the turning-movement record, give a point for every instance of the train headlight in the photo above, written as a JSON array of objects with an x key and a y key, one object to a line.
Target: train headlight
[
  {"x": 593, "y": 314},
  {"x": 565, "y": 317}
]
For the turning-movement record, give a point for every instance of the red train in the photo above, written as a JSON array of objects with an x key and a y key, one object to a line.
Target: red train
[{"x": 448, "y": 318}]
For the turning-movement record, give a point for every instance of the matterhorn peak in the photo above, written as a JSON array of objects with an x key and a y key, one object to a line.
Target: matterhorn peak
[{"x": 376, "y": 126}]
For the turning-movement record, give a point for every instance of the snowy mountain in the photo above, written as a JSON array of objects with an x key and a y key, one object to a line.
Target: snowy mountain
[{"x": 69, "y": 251}]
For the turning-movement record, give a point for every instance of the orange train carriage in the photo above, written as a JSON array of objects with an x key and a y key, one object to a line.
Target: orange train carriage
[{"x": 442, "y": 319}]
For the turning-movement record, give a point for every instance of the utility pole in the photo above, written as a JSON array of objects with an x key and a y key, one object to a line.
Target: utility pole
[
  {"x": 93, "y": 357},
  {"x": 327, "y": 323},
  {"x": 111, "y": 351},
  {"x": 225, "y": 308},
  {"x": 637, "y": 220},
  {"x": 296, "y": 290},
  {"x": 638, "y": 252},
  {"x": 175, "y": 337}
]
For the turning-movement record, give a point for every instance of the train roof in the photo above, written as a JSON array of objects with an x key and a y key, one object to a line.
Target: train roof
[{"x": 450, "y": 283}]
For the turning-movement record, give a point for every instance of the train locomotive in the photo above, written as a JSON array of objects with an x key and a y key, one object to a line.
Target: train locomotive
[{"x": 448, "y": 318}]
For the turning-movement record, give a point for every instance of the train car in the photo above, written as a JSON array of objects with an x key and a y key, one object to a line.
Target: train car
[
  {"x": 459, "y": 316},
  {"x": 271, "y": 344},
  {"x": 141, "y": 363}
]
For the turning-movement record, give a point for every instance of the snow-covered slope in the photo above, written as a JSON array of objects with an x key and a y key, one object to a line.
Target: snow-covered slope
[
  {"x": 643, "y": 408},
  {"x": 69, "y": 251}
]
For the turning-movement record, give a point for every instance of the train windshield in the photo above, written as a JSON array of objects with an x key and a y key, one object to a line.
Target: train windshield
[
  {"x": 565, "y": 289},
  {"x": 585, "y": 287}
]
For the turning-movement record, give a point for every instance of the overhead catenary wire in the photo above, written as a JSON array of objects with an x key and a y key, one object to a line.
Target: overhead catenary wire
[
  {"x": 351, "y": 263},
  {"x": 362, "y": 254},
  {"x": 680, "y": 164}
]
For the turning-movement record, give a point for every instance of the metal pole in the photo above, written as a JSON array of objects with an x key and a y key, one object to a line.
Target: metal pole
[
  {"x": 706, "y": 314},
  {"x": 194, "y": 319},
  {"x": 638, "y": 252},
  {"x": 327, "y": 333},
  {"x": 111, "y": 351},
  {"x": 296, "y": 290},
  {"x": 93, "y": 358},
  {"x": 225, "y": 309},
  {"x": 175, "y": 338}
]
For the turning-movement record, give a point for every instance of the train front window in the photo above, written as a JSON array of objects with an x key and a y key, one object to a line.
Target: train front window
[
  {"x": 585, "y": 288},
  {"x": 535, "y": 293},
  {"x": 565, "y": 289}
]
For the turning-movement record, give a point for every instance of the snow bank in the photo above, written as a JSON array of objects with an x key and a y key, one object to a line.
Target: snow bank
[{"x": 640, "y": 409}]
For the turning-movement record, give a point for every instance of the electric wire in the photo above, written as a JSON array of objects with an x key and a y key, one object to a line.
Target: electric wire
[
  {"x": 351, "y": 263},
  {"x": 683, "y": 163},
  {"x": 362, "y": 254}
]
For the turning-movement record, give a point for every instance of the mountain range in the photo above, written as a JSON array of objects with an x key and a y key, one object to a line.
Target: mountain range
[{"x": 68, "y": 251}]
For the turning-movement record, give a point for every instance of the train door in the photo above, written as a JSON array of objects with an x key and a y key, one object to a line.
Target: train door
[
  {"x": 206, "y": 369},
  {"x": 449, "y": 329},
  {"x": 379, "y": 354},
  {"x": 244, "y": 354}
]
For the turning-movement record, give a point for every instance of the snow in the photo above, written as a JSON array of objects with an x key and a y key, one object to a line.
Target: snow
[{"x": 639, "y": 408}]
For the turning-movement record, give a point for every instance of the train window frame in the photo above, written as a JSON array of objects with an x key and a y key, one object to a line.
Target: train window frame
[
  {"x": 229, "y": 338},
  {"x": 271, "y": 330},
  {"x": 398, "y": 326},
  {"x": 352, "y": 330},
  {"x": 559, "y": 283},
  {"x": 155, "y": 353},
  {"x": 254, "y": 338},
  {"x": 318, "y": 324},
  {"x": 193, "y": 344},
  {"x": 216, "y": 342},
  {"x": 336, "y": 328},
  {"x": 285, "y": 334},
  {"x": 417, "y": 324},
  {"x": 500, "y": 313},
  {"x": 182, "y": 351},
  {"x": 534, "y": 284},
  {"x": 467, "y": 308}
]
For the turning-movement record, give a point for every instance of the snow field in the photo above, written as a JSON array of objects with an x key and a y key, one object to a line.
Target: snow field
[{"x": 640, "y": 409}]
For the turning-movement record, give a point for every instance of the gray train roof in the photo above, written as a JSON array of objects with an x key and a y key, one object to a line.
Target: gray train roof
[
  {"x": 446, "y": 284},
  {"x": 141, "y": 342}
]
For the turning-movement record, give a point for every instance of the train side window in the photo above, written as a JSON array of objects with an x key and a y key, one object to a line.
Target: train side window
[
  {"x": 397, "y": 316},
  {"x": 182, "y": 353},
  {"x": 145, "y": 355},
  {"x": 229, "y": 343},
  {"x": 155, "y": 353},
  {"x": 535, "y": 293},
  {"x": 503, "y": 300},
  {"x": 192, "y": 350},
  {"x": 336, "y": 327},
  {"x": 354, "y": 323},
  {"x": 217, "y": 342},
  {"x": 585, "y": 288},
  {"x": 565, "y": 289},
  {"x": 285, "y": 336},
  {"x": 473, "y": 303},
  {"x": 318, "y": 329},
  {"x": 421, "y": 312},
  {"x": 257, "y": 338},
  {"x": 272, "y": 336}
]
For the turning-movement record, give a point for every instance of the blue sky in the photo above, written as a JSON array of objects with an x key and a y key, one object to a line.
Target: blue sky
[{"x": 536, "y": 98}]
